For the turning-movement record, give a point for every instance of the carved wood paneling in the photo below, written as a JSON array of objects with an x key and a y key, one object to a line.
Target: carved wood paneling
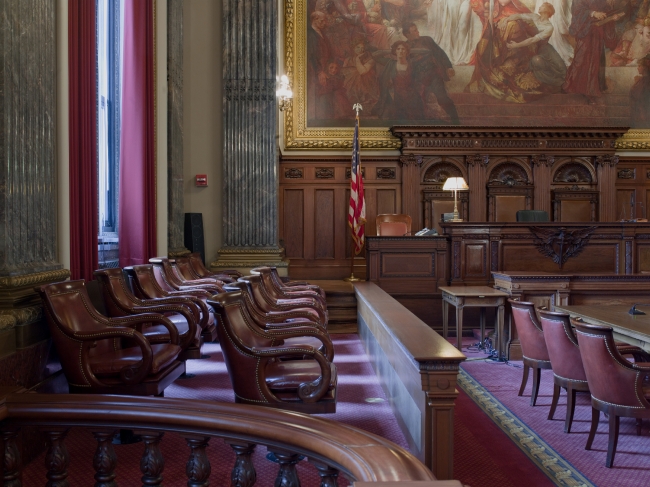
[
  {"x": 292, "y": 205},
  {"x": 324, "y": 224}
]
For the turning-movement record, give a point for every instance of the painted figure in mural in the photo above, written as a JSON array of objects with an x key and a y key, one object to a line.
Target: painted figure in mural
[
  {"x": 560, "y": 38},
  {"x": 332, "y": 101},
  {"x": 361, "y": 81},
  {"x": 640, "y": 95},
  {"x": 634, "y": 44},
  {"x": 432, "y": 70},
  {"x": 593, "y": 26},
  {"x": 456, "y": 28},
  {"x": 545, "y": 63},
  {"x": 319, "y": 49},
  {"x": 401, "y": 95}
]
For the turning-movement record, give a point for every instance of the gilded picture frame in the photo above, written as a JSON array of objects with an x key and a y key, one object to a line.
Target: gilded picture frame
[{"x": 300, "y": 133}]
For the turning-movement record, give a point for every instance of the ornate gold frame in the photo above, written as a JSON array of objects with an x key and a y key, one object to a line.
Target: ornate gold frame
[{"x": 297, "y": 136}]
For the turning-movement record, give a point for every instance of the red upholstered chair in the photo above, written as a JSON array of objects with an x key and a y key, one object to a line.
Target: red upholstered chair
[
  {"x": 197, "y": 265},
  {"x": 146, "y": 286},
  {"x": 533, "y": 345},
  {"x": 393, "y": 225},
  {"x": 92, "y": 351},
  {"x": 183, "y": 313},
  {"x": 261, "y": 369},
  {"x": 619, "y": 388}
]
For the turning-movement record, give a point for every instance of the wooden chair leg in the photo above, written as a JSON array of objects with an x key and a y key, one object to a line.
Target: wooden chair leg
[
  {"x": 614, "y": 422},
  {"x": 537, "y": 375},
  {"x": 524, "y": 379},
  {"x": 556, "y": 397},
  {"x": 570, "y": 408},
  {"x": 595, "y": 418}
]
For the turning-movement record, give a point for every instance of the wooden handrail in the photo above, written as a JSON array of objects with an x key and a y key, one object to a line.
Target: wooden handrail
[{"x": 360, "y": 455}]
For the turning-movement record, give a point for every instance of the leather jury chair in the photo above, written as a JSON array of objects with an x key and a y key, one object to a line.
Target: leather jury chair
[
  {"x": 619, "y": 388},
  {"x": 266, "y": 372},
  {"x": 393, "y": 225},
  {"x": 107, "y": 355},
  {"x": 533, "y": 345}
]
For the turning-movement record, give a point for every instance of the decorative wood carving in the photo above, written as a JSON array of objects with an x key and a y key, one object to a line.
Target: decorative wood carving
[
  {"x": 287, "y": 474},
  {"x": 411, "y": 160},
  {"x": 105, "y": 459},
  {"x": 328, "y": 475},
  {"x": 560, "y": 244},
  {"x": 607, "y": 160},
  {"x": 477, "y": 159},
  {"x": 198, "y": 467},
  {"x": 573, "y": 172},
  {"x": 440, "y": 171},
  {"x": 57, "y": 458},
  {"x": 348, "y": 172},
  {"x": 647, "y": 174},
  {"x": 385, "y": 173},
  {"x": 12, "y": 459},
  {"x": 575, "y": 193},
  {"x": 627, "y": 173},
  {"x": 508, "y": 174},
  {"x": 152, "y": 462},
  {"x": 542, "y": 160},
  {"x": 293, "y": 173},
  {"x": 324, "y": 173},
  {"x": 243, "y": 473}
]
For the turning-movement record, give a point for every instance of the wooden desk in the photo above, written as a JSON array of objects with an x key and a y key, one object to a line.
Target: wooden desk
[
  {"x": 632, "y": 329},
  {"x": 473, "y": 297}
]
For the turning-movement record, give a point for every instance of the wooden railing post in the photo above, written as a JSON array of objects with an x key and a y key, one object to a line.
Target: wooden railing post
[
  {"x": 243, "y": 473},
  {"x": 439, "y": 385},
  {"x": 152, "y": 462},
  {"x": 12, "y": 459},
  {"x": 105, "y": 460},
  {"x": 198, "y": 466},
  {"x": 56, "y": 458},
  {"x": 328, "y": 475},
  {"x": 287, "y": 475}
]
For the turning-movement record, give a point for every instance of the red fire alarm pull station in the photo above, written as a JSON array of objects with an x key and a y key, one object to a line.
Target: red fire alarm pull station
[{"x": 201, "y": 180}]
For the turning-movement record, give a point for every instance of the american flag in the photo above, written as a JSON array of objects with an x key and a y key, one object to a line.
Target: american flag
[{"x": 357, "y": 212}]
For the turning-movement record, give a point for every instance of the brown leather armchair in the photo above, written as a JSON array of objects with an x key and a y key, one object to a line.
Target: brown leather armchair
[
  {"x": 182, "y": 312},
  {"x": 197, "y": 265},
  {"x": 281, "y": 292},
  {"x": 91, "y": 348},
  {"x": 618, "y": 388},
  {"x": 261, "y": 370},
  {"x": 267, "y": 303},
  {"x": 145, "y": 286},
  {"x": 187, "y": 272},
  {"x": 289, "y": 285},
  {"x": 167, "y": 275},
  {"x": 393, "y": 225},
  {"x": 533, "y": 345}
]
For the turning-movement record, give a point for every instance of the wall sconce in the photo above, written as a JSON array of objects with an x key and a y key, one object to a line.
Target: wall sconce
[
  {"x": 284, "y": 93},
  {"x": 455, "y": 185}
]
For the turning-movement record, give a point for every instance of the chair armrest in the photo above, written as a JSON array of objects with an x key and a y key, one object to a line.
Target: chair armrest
[
  {"x": 304, "y": 331},
  {"x": 200, "y": 293},
  {"x": 642, "y": 366},
  {"x": 307, "y": 391},
  {"x": 184, "y": 301},
  {"x": 134, "y": 320},
  {"x": 182, "y": 310}
]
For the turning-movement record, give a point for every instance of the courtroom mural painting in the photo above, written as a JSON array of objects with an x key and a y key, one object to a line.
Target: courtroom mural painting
[{"x": 475, "y": 62}]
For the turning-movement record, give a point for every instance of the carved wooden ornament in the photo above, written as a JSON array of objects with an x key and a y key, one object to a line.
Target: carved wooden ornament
[{"x": 559, "y": 243}]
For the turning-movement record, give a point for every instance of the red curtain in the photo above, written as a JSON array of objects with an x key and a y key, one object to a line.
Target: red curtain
[
  {"x": 137, "y": 213},
  {"x": 83, "y": 139}
]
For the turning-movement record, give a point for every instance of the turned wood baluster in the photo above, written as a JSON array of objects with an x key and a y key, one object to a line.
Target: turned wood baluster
[
  {"x": 56, "y": 459},
  {"x": 105, "y": 459},
  {"x": 152, "y": 462},
  {"x": 198, "y": 466},
  {"x": 328, "y": 475},
  {"x": 12, "y": 461},
  {"x": 243, "y": 473},
  {"x": 287, "y": 475}
]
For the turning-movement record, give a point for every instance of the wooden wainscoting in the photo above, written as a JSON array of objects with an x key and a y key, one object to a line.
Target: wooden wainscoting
[{"x": 314, "y": 202}]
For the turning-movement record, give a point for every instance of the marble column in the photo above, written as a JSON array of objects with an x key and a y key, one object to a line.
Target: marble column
[
  {"x": 28, "y": 253},
  {"x": 175, "y": 203},
  {"x": 250, "y": 118},
  {"x": 542, "y": 165},
  {"x": 476, "y": 165}
]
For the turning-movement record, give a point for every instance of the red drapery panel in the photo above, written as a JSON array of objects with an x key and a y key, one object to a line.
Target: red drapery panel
[
  {"x": 137, "y": 214},
  {"x": 83, "y": 139}
]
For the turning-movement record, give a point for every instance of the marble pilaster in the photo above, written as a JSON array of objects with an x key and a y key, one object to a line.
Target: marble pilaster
[
  {"x": 175, "y": 202},
  {"x": 250, "y": 117},
  {"x": 28, "y": 253}
]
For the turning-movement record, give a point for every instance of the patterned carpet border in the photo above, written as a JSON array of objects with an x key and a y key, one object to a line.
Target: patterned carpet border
[{"x": 561, "y": 472}]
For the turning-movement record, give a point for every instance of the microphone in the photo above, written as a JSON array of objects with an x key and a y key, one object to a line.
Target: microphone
[{"x": 634, "y": 311}]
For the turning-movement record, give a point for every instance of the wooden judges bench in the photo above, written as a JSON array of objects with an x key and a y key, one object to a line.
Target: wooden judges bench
[{"x": 604, "y": 262}]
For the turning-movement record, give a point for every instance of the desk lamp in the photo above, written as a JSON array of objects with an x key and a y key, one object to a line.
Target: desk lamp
[{"x": 455, "y": 185}]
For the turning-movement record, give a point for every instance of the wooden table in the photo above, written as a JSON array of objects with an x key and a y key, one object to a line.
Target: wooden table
[
  {"x": 473, "y": 297},
  {"x": 632, "y": 329}
]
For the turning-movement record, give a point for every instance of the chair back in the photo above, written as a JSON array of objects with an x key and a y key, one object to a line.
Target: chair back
[
  {"x": 145, "y": 284},
  {"x": 261, "y": 297},
  {"x": 393, "y": 225},
  {"x": 562, "y": 346},
  {"x": 611, "y": 378},
  {"x": 185, "y": 269},
  {"x": 529, "y": 330},
  {"x": 532, "y": 216},
  {"x": 118, "y": 298}
]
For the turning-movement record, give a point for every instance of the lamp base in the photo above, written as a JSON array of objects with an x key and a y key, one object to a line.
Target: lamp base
[{"x": 455, "y": 220}]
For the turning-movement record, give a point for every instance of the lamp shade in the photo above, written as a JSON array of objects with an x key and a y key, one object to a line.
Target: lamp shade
[{"x": 457, "y": 184}]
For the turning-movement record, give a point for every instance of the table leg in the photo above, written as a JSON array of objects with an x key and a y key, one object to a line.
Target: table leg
[
  {"x": 500, "y": 337},
  {"x": 445, "y": 319},
  {"x": 459, "y": 326},
  {"x": 482, "y": 322}
]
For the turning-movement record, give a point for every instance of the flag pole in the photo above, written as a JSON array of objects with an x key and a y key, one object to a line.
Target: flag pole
[{"x": 356, "y": 107}]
